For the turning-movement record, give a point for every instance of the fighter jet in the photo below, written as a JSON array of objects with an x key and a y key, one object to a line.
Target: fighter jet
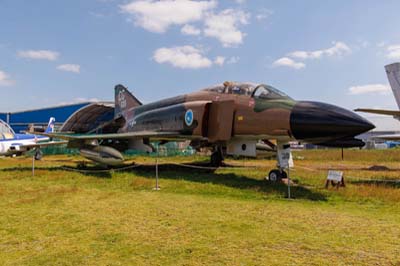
[
  {"x": 393, "y": 74},
  {"x": 229, "y": 118}
]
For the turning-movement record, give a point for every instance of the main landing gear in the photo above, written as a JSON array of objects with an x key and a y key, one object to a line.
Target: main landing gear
[
  {"x": 38, "y": 155},
  {"x": 217, "y": 157}
]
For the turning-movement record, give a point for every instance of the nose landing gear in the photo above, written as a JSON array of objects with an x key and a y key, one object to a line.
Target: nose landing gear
[
  {"x": 284, "y": 161},
  {"x": 276, "y": 175}
]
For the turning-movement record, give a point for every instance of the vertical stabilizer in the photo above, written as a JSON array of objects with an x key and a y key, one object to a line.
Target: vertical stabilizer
[
  {"x": 124, "y": 100},
  {"x": 50, "y": 126},
  {"x": 393, "y": 74}
]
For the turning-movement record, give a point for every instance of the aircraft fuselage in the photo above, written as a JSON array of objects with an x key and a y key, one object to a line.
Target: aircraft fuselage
[{"x": 220, "y": 115}]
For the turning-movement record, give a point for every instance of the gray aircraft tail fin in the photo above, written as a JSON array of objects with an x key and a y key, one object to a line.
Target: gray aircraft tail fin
[
  {"x": 124, "y": 100},
  {"x": 393, "y": 74}
]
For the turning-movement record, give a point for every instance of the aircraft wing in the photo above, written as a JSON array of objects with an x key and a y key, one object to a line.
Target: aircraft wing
[
  {"x": 128, "y": 135},
  {"x": 44, "y": 144},
  {"x": 379, "y": 111}
]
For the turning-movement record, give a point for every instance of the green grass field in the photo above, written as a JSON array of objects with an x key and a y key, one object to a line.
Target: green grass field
[{"x": 228, "y": 217}]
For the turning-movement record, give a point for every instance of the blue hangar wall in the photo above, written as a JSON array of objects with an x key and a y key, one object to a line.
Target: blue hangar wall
[{"x": 19, "y": 121}]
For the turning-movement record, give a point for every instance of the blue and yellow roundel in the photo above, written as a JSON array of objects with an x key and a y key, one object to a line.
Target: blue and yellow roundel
[{"x": 189, "y": 117}]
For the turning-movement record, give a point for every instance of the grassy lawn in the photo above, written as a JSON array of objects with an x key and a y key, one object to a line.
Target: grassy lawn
[{"x": 228, "y": 217}]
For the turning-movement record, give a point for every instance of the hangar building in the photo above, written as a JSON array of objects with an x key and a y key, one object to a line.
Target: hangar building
[{"x": 79, "y": 117}]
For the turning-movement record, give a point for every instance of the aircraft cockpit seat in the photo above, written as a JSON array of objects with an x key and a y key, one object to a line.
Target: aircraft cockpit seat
[
  {"x": 8, "y": 136},
  {"x": 238, "y": 88}
]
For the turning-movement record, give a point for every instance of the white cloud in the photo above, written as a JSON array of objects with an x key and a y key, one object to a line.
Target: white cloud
[
  {"x": 338, "y": 49},
  {"x": 70, "y": 68},
  {"x": 224, "y": 26},
  {"x": 219, "y": 60},
  {"x": 393, "y": 52},
  {"x": 264, "y": 14},
  {"x": 365, "y": 44},
  {"x": 233, "y": 60},
  {"x": 79, "y": 100},
  {"x": 39, "y": 54},
  {"x": 182, "y": 57},
  {"x": 370, "y": 89},
  {"x": 240, "y": 1},
  {"x": 285, "y": 61},
  {"x": 190, "y": 30},
  {"x": 5, "y": 79},
  {"x": 158, "y": 16},
  {"x": 380, "y": 44}
]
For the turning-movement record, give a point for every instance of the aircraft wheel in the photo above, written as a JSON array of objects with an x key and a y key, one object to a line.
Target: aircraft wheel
[
  {"x": 274, "y": 175},
  {"x": 38, "y": 155},
  {"x": 283, "y": 175},
  {"x": 216, "y": 159}
]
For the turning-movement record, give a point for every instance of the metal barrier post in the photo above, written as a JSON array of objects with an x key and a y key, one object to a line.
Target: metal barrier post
[
  {"x": 288, "y": 176},
  {"x": 157, "y": 186},
  {"x": 33, "y": 165}
]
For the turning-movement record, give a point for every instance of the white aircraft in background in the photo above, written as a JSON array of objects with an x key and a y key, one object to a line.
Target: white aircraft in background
[
  {"x": 393, "y": 74},
  {"x": 12, "y": 144}
]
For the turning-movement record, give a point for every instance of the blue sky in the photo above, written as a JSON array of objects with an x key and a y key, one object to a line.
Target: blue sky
[{"x": 54, "y": 52}]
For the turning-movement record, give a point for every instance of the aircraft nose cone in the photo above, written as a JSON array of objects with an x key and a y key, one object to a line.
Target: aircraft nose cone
[{"x": 314, "y": 122}]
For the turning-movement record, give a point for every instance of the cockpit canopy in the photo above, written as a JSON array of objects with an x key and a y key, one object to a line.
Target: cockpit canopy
[
  {"x": 268, "y": 92},
  {"x": 260, "y": 91},
  {"x": 6, "y": 131}
]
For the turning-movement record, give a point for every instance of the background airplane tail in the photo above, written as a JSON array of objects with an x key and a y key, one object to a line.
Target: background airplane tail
[
  {"x": 393, "y": 74},
  {"x": 50, "y": 126},
  {"x": 124, "y": 100}
]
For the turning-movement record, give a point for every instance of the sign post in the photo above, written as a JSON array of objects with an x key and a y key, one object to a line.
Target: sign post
[{"x": 336, "y": 178}]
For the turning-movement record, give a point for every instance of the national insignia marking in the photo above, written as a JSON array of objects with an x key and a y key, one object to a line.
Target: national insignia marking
[{"x": 189, "y": 117}]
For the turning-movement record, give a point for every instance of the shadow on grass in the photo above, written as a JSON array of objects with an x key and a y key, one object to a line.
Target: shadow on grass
[
  {"x": 176, "y": 172},
  {"x": 384, "y": 183},
  {"x": 91, "y": 171},
  {"x": 233, "y": 180}
]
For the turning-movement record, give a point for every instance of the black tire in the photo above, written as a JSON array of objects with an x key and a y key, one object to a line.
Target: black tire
[
  {"x": 274, "y": 175},
  {"x": 283, "y": 175},
  {"x": 38, "y": 155},
  {"x": 216, "y": 159}
]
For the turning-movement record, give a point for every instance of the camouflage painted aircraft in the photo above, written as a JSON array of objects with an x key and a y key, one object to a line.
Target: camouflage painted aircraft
[{"x": 229, "y": 118}]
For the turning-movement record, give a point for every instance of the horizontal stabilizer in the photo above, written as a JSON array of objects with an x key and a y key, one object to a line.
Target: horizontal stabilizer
[
  {"x": 379, "y": 111},
  {"x": 388, "y": 137}
]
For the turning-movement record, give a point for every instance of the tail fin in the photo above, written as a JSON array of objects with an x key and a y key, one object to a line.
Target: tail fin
[
  {"x": 50, "y": 126},
  {"x": 393, "y": 74},
  {"x": 124, "y": 100}
]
